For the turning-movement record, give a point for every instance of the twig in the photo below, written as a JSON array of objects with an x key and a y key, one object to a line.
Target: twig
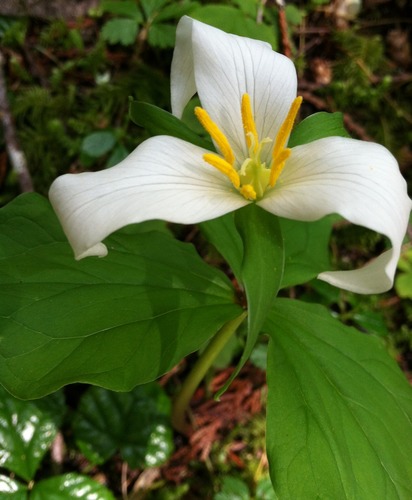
[
  {"x": 349, "y": 122},
  {"x": 16, "y": 155},
  {"x": 283, "y": 26}
]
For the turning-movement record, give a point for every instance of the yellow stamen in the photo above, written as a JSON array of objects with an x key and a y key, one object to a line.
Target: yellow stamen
[
  {"x": 216, "y": 134},
  {"x": 286, "y": 127},
  {"x": 248, "y": 192},
  {"x": 249, "y": 123},
  {"x": 224, "y": 167},
  {"x": 278, "y": 166},
  {"x": 280, "y": 154}
]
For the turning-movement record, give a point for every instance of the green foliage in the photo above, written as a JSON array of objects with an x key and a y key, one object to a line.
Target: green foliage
[
  {"x": 350, "y": 402},
  {"x": 318, "y": 126},
  {"x": 58, "y": 35},
  {"x": 158, "y": 122},
  {"x": 261, "y": 269},
  {"x": 127, "y": 8},
  {"x": 70, "y": 485},
  {"x": 403, "y": 282},
  {"x": 123, "y": 31},
  {"x": 233, "y": 489},
  {"x": 12, "y": 31},
  {"x": 235, "y": 21},
  {"x": 151, "y": 17},
  {"x": 27, "y": 430},
  {"x": 306, "y": 249},
  {"x": 98, "y": 143},
  {"x": 136, "y": 423},
  {"x": 363, "y": 85},
  {"x": 70, "y": 104},
  {"x": 164, "y": 303}
]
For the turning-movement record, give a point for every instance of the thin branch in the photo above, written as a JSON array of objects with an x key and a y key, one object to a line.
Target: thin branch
[
  {"x": 283, "y": 26},
  {"x": 16, "y": 155}
]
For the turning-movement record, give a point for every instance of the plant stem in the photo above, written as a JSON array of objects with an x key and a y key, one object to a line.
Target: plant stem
[{"x": 202, "y": 365}]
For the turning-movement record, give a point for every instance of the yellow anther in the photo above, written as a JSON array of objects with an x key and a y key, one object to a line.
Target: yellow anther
[
  {"x": 277, "y": 166},
  {"x": 249, "y": 123},
  {"x": 280, "y": 153},
  {"x": 224, "y": 167},
  {"x": 248, "y": 192},
  {"x": 216, "y": 134},
  {"x": 286, "y": 127}
]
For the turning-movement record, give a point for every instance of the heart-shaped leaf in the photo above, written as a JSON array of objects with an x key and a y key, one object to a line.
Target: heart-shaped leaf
[
  {"x": 136, "y": 423},
  {"x": 26, "y": 432},
  {"x": 70, "y": 486}
]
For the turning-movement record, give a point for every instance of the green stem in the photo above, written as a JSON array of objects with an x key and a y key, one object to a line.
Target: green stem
[{"x": 202, "y": 365}]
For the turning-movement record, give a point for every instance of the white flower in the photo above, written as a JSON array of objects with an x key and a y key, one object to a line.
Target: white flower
[{"x": 249, "y": 103}]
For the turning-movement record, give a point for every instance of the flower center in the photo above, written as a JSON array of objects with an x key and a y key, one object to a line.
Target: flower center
[{"x": 253, "y": 177}]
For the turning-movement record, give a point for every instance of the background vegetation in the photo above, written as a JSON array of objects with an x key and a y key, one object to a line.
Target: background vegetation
[{"x": 68, "y": 82}]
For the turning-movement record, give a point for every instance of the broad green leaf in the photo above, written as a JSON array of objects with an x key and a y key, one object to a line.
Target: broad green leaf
[
  {"x": 98, "y": 143},
  {"x": 261, "y": 270},
  {"x": 371, "y": 322},
  {"x": 123, "y": 31},
  {"x": 233, "y": 20},
  {"x": 262, "y": 265},
  {"x": 306, "y": 249},
  {"x": 136, "y": 423},
  {"x": 223, "y": 235},
  {"x": 339, "y": 410},
  {"x": 12, "y": 489},
  {"x": 26, "y": 433},
  {"x": 117, "y": 322},
  {"x": 71, "y": 485},
  {"x": 317, "y": 126},
  {"x": 159, "y": 122},
  {"x": 306, "y": 246}
]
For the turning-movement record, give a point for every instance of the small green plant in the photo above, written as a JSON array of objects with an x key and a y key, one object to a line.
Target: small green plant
[
  {"x": 151, "y": 20},
  {"x": 135, "y": 423},
  {"x": 27, "y": 431}
]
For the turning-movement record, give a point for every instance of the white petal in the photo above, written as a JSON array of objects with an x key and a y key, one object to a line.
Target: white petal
[
  {"x": 182, "y": 77},
  {"x": 358, "y": 180},
  {"x": 225, "y": 67},
  {"x": 164, "y": 178}
]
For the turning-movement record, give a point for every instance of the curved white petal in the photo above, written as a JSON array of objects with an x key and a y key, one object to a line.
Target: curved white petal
[
  {"x": 358, "y": 180},
  {"x": 182, "y": 77},
  {"x": 164, "y": 178},
  {"x": 222, "y": 67}
]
